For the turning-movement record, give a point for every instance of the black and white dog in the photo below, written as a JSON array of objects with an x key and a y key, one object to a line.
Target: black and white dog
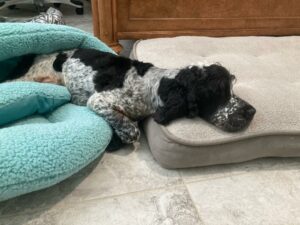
[{"x": 124, "y": 91}]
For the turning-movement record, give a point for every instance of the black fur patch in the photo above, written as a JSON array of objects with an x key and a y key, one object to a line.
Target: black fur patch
[
  {"x": 22, "y": 67},
  {"x": 141, "y": 67},
  {"x": 193, "y": 92},
  {"x": 115, "y": 143},
  {"x": 208, "y": 88},
  {"x": 173, "y": 96},
  {"x": 59, "y": 61},
  {"x": 111, "y": 69}
]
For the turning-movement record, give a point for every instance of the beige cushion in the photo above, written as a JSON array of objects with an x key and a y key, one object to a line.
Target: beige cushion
[{"x": 268, "y": 77}]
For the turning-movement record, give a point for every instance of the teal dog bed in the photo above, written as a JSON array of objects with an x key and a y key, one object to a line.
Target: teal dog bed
[
  {"x": 17, "y": 39},
  {"x": 43, "y": 138}
]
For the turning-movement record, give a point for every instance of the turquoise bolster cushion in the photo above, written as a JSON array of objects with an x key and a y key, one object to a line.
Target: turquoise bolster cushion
[
  {"x": 50, "y": 140},
  {"x": 17, "y": 39},
  {"x": 43, "y": 138},
  {"x": 40, "y": 151},
  {"x": 21, "y": 99}
]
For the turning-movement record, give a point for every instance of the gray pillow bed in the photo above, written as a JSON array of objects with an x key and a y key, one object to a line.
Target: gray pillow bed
[{"x": 268, "y": 77}]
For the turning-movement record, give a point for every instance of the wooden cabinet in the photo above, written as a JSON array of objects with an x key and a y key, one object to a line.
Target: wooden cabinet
[{"x": 141, "y": 19}]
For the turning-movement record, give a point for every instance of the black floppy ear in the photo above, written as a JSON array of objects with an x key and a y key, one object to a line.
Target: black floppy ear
[
  {"x": 190, "y": 75},
  {"x": 160, "y": 116},
  {"x": 192, "y": 79},
  {"x": 221, "y": 78},
  {"x": 172, "y": 95}
]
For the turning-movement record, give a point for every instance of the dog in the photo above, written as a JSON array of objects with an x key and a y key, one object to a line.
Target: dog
[{"x": 124, "y": 91}]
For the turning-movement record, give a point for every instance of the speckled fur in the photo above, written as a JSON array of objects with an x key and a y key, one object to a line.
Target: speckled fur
[{"x": 235, "y": 115}]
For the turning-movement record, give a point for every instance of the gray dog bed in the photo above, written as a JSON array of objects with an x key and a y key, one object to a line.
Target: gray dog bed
[{"x": 268, "y": 77}]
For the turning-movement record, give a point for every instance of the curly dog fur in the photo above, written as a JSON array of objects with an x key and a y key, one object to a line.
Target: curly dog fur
[{"x": 124, "y": 91}]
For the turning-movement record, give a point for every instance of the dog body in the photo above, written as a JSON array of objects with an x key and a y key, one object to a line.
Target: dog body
[
  {"x": 137, "y": 96},
  {"x": 124, "y": 91}
]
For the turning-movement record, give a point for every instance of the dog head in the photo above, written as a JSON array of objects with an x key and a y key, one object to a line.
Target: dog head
[{"x": 195, "y": 91}]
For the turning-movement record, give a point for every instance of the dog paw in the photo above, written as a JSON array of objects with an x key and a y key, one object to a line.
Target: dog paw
[
  {"x": 115, "y": 143},
  {"x": 129, "y": 135}
]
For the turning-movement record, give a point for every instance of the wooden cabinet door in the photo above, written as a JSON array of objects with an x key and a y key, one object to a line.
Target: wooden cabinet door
[{"x": 135, "y": 19}]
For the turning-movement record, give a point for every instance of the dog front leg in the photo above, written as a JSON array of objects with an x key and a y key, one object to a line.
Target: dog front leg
[{"x": 106, "y": 105}]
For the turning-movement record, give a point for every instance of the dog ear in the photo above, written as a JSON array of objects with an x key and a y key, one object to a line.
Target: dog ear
[
  {"x": 190, "y": 76},
  {"x": 221, "y": 82},
  {"x": 174, "y": 106},
  {"x": 192, "y": 79},
  {"x": 165, "y": 114},
  {"x": 160, "y": 116},
  {"x": 193, "y": 110}
]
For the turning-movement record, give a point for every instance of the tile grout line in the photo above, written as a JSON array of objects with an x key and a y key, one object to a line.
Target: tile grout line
[
  {"x": 182, "y": 183},
  {"x": 214, "y": 178},
  {"x": 192, "y": 200},
  {"x": 96, "y": 198},
  {"x": 134, "y": 192}
]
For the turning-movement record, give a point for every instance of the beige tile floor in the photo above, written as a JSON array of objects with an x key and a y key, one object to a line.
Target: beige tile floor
[
  {"x": 24, "y": 12},
  {"x": 129, "y": 188}
]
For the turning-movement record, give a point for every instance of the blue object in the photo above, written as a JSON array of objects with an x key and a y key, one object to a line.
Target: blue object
[
  {"x": 17, "y": 39},
  {"x": 42, "y": 150},
  {"x": 21, "y": 99}
]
